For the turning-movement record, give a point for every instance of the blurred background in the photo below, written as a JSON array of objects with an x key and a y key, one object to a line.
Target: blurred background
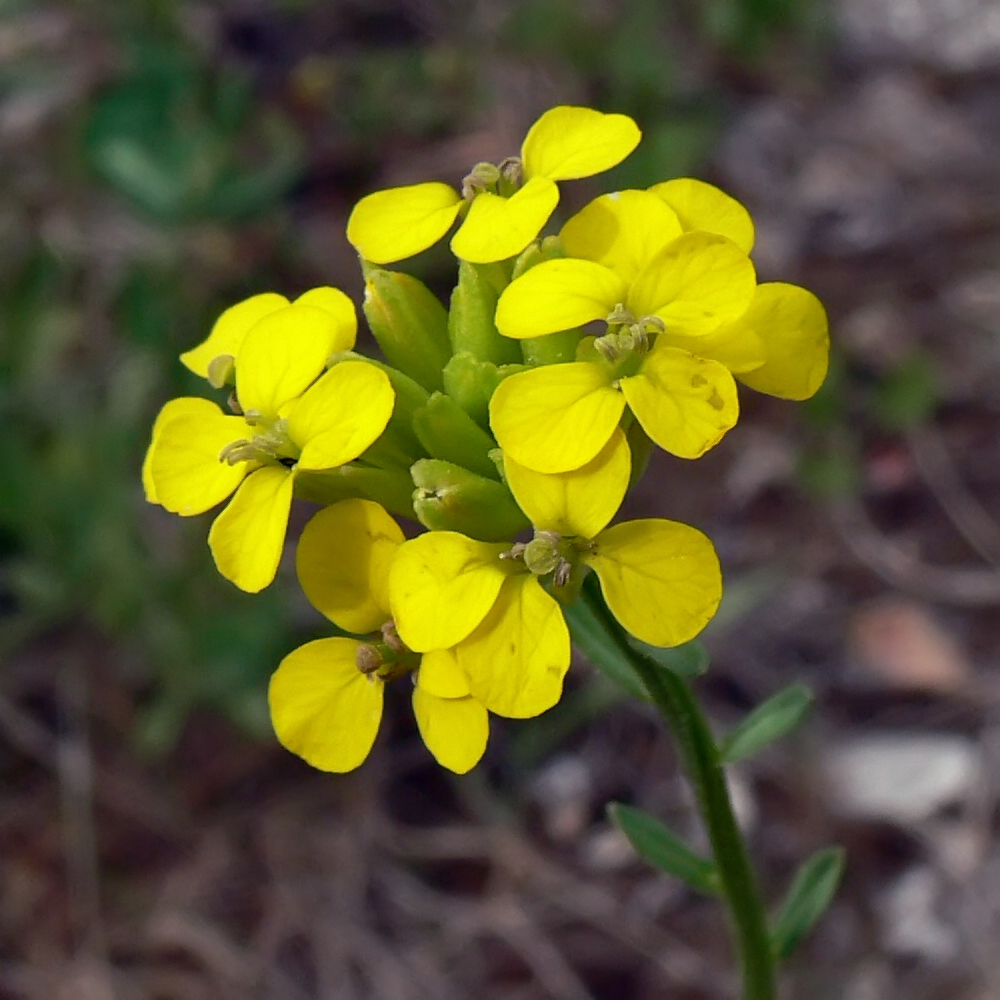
[{"x": 160, "y": 161}]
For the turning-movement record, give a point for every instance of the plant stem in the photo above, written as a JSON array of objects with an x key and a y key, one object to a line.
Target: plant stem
[{"x": 699, "y": 755}]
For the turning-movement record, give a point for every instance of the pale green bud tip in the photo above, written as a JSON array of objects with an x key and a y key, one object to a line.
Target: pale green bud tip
[{"x": 221, "y": 371}]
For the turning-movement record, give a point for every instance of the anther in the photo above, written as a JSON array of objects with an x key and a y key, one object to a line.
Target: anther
[
  {"x": 391, "y": 637},
  {"x": 368, "y": 659}
]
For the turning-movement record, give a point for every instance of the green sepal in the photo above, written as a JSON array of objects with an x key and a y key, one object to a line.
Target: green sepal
[
  {"x": 399, "y": 435},
  {"x": 777, "y": 717},
  {"x": 537, "y": 251},
  {"x": 662, "y": 848},
  {"x": 449, "y": 433},
  {"x": 811, "y": 892},
  {"x": 450, "y": 498},
  {"x": 409, "y": 323},
  {"x": 392, "y": 488},
  {"x": 471, "y": 383},
  {"x": 552, "y": 349},
  {"x": 470, "y": 318},
  {"x": 641, "y": 446}
]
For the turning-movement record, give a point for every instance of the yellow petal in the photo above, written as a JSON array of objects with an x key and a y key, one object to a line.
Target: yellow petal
[
  {"x": 735, "y": 345},
  {"x": 343, "y": 561},
  {"x": 684, "y": 403},
  {"x": 281, "y": 356},
  {"x": 323, "y": 708},
  {"x": 703, "y": 206},
  {"x": 517, "y": 658},
  {"x": 661, "y": 579},
  {"x": 623, "y": 231},
  {"x": 497, "y": 228},
  {"x": 455, "y": 730},
  {"x": 335, "y": 302},
  {"x": 695, "y": 284},
  {"x": 341, "y": 415},
  {"x": 184, "y": 468},
  {"x": 555, "y": 418},
  {"x": 792, "y": 324},
  {"x": 440, "y": 674},
  {"x": 558, "y": 295},
  {"x": 441, "y": 586},
  {"x": 247, "y": 537},
  {"x": 193, "y": 405},
  {"x": 390, "y": 225},
  {"x": 569, "y": 142},
  {"x": 230, "y": 329},
  {"x": 581, "y": 502}
]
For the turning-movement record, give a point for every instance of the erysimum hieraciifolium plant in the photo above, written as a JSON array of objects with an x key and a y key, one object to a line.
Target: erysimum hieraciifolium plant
[{"x": 510, "y": 425}]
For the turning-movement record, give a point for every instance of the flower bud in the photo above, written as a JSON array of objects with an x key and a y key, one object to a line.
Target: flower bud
[
  {"x": 471, "y": 383},
  {"x": 470, "y": 319},
  {"x": 450, "y": 498},
  {"x": 409, "y": 323},
  {"x": 449, "y": 433}
]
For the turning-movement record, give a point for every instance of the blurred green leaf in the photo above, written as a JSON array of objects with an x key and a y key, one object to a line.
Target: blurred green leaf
[
  {"x": 688, "y": 660},
  {"x": 811, "y": 892},
  {"x": 908, "y": 395},
  {"x": 183, "y": 144},
  {"x": 662, "y": 848},
  {"x": 767, "y": 723}
]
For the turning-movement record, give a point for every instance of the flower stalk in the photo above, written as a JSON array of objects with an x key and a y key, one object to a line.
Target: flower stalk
[{"x": 699, "y": 754}]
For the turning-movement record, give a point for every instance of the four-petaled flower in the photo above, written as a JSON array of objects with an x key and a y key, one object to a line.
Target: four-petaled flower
[
  {"x": 683, "y": 313},
  {"x": 326, "y": 696},
  {"x": 291, "y": 418},
  {"x": 507, "y": 205}
]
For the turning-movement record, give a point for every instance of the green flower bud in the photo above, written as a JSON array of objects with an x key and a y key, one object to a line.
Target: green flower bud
[
  {"x": 449, "y": 433},
  {"x": 552, "y": 349},
  {"x": 409, "y": 323},
  {"x": 471, "y": 383},
  {"x": 392, "y": 488},
  {"x": 470, "y": 319},
  {"x": 451, "y": 498},
  {"x": 398, "y": 443}
]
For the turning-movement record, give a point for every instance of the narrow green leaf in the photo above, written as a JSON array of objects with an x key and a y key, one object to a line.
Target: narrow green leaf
[
  {"x": 663, "y": 849},
  {"x": 777, "y": 717},
  {"x": 811, "y": 892},
  {"x": 592, "y": 639}
]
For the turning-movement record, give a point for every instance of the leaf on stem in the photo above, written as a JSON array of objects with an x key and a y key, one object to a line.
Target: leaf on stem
[
  {"x": 663, "y": 849},
  {"x": 767, "y": 723},
  {"x": 810, "y": 894}
]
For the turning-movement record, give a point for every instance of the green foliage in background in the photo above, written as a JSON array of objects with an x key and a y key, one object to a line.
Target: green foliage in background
[{"x": 165, "y": 138}]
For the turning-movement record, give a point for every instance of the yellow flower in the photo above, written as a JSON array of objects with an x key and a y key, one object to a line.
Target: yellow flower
[
  {"x": 326, "y": 696},
  {"x": 684, "y": 316},
  {"x": 664, "y": 294},
  {"x": 217, "y": 353},
  {"x": 507, "y": 205},
  {"x": 661, "y": 579},
  {"x": 292, "y": 419},
  {"x": 506, "y": 633}
]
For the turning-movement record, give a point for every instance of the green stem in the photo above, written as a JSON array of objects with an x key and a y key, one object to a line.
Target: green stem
[{"x": 677, "y": 704}]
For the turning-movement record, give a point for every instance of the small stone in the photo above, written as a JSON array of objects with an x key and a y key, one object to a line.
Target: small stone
[
  {"x": 607, "y": 849},
  {"x": 902, "y": 777},
  {"x": 899, "y": 642},
  {"x": 562, "y": 789},
  {"x": 910, "y": 925}
]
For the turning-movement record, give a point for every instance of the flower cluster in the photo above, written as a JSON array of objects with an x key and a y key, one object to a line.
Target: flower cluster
[{"x": 510, "y": 426}]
